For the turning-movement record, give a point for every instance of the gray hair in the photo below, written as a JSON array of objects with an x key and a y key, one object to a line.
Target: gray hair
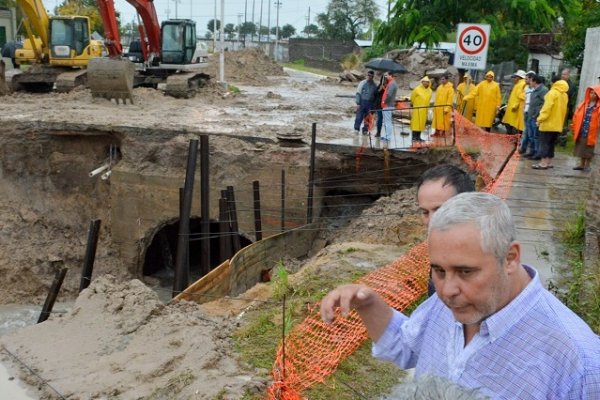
[
  {"x": 488, "y": 212},
  {"x": 429, "y": 387}
]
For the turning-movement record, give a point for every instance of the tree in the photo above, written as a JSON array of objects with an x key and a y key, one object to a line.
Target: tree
[
  {"x": 287, "y": 31},
  {"x": 346, "y": 19},
  {"x": 229, "y": 30},
  {"x": 575, "y": 27},
  {"x": 211, "y": 26},
  {"x": 247, "y": 28},
  {"x": 430, "y": 22},
  {"x": 311, "y": 30},
  {"x": 88, "y": 8},
  {"x": 263, "y": 31}
]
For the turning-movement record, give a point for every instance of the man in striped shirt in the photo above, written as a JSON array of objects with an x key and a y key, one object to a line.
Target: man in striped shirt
[{"x": 491, "y": 325}]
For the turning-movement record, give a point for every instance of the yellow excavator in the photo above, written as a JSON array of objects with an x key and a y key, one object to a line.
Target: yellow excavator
[{"x": 57, "y": 50}]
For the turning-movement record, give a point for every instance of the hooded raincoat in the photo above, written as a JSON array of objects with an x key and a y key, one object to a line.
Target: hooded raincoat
[
  {"x": 487, "y": 100},
  {"x": 419, "y": 97},
  {"x": 515, "y": 108},
  {"x": 466, "y": 107},
  {"x": 444, "y": 97},
  {"x": 594, "y": 123},
  {"x": 553, "y": 112}
]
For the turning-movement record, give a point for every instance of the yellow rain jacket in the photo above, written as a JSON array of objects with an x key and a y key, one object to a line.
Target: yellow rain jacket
[
  {"x": 419, "y": 97},
  {"x": 553, "y": 112},
  {"x": 515, "y": 108},
  {"x": 466, "y": 107},
  {"x": 487, "y": 100},
  {"x": 444, "y": 96}
]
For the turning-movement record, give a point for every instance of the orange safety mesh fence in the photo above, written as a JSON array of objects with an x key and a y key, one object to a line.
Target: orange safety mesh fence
[{"x": 313, "y": 350}]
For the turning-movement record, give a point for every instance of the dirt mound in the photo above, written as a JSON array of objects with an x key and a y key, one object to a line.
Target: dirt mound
[
  {"x": 123, "y": 343},
  {"x": 248, "y": 66}
]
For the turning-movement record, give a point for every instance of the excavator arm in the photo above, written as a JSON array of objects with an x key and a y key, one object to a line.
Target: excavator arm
[
  {"x": 149, "y": 30},
  {"x": 37, "y": 17},
  {"x": 37, "y": 25},
  {"x": 112, "y": 39},
  {"x": 150, "y": 35}
]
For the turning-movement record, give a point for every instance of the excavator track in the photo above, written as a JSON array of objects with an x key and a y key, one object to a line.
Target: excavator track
[
  {"x": 37, "y": 78},
  {"x": 185, "y": 84},
  {"x": 67, "y": 81},
  {"x": 111, "y": 78}
]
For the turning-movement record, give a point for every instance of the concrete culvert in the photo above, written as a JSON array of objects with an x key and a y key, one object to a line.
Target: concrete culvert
[{"x": 159, "y": 261}]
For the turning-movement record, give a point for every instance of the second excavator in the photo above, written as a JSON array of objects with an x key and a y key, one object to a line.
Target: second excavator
[{"x": 170, "y": 55}]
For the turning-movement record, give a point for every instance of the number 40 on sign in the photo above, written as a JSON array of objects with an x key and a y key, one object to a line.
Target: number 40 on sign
[{"x": 472, "y": 42}]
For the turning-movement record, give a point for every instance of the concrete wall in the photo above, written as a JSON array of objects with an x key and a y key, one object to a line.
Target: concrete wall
[
  {"x": 548, "y": 64},
  {"x": 590, "y": 70},
  {"x": 325, "y": 54},
  {"x": 8, "y": 22}
]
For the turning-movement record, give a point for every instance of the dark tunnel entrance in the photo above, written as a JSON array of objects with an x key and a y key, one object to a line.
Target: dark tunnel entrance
[{"x": 160, "y": 257}]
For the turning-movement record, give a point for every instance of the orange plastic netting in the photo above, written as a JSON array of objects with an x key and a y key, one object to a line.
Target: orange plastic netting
[{"x": 313, "y": 350}]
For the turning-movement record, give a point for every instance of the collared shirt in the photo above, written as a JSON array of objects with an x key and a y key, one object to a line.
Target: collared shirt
[
  {"x": 528, "y": 90},
  {"x": 533, "y": 348}
]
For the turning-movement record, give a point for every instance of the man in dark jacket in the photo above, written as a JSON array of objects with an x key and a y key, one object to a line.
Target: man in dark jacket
[
  {"x": 365, "y": 96},
  {"x": 536, "y": 101}
]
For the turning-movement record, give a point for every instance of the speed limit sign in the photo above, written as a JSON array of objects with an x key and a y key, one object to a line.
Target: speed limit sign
[{"x": 472, "y": 42}]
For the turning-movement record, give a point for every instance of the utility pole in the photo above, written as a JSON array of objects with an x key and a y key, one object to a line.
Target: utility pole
[
  {"x": 215, "y": 29},
  {"x": 238, "y": 26},
  {"x": 176, "y": 1},
  {"x": 308, "y": 24},
  {"x": 253, "y": 19},
  {"x": 260, "y": 20},
  {"x": 222, "y": 49},
  {"x": 277, "y": 4},
  {"x": 269, "y": 22},
  {"x": 245, "y": 20},
  {"x": 168, "y": 12}
]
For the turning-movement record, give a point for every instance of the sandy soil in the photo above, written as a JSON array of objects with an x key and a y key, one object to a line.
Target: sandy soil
[{"x": 119, "y": 341}]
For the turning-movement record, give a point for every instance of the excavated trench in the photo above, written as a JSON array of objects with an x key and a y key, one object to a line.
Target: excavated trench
[{"x": 49, "y": 197}]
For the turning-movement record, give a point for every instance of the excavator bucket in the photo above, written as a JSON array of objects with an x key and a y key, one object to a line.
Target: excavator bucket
[{"x": 111, "y": 78}]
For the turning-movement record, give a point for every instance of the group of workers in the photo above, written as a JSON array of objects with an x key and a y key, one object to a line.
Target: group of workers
[
  {"x": 537, "y": 113},
  {"x": 381, "y": 98}
]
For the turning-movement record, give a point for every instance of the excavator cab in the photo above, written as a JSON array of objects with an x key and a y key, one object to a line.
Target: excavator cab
[
  {"x": 69, "y": 37},
  {"x": 178, "y": 41}
]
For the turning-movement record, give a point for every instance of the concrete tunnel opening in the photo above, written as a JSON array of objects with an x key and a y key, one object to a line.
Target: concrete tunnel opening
[{"x": 159, "y": 260}]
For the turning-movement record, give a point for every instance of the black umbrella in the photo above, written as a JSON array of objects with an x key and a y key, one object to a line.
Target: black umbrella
[{"x": 385, "y": 64}]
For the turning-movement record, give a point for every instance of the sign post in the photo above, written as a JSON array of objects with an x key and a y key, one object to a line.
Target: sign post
[{"x": 472, "y": 41}]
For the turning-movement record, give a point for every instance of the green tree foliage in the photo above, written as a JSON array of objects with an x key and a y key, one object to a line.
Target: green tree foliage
[
  {"x": 346, "y": 19},
  {"x": 87, "y": 8},
  {"x": 211, "y": 26},
  {"x": 311, "y": 30},
  {"x": 575, "y": 28},
  {"x": 430, "y": 22},
  {"x": 287, "y": 31},
  {"x": 247, "y": 28},
  {"x": 8, "y": 3},
  {"x": 230, "y": 31}
]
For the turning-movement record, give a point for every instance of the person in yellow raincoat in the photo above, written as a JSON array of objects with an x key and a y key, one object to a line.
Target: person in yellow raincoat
[
  {"x": 466, "y": 108},
  {"x": 444, "y": 97},
  {"x": 487, "y": 101},
  {"x": 515, "y": 107},
  {"x": 420, "y": 98},
  {"x": 551, "y": 121}
]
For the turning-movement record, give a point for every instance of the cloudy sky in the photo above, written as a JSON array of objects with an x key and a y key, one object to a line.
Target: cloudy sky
[{"x": 293, "y": 12}]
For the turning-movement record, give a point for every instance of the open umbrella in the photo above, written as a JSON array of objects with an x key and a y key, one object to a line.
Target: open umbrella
[{"x": 385, "y": 64}]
